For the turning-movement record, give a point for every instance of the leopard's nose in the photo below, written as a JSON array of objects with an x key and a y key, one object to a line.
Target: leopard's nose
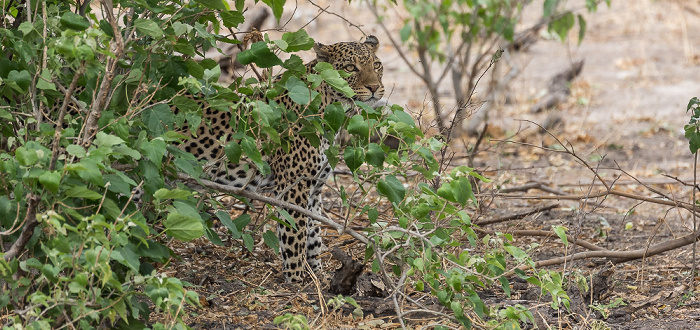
[{"x": 372, "y": 88}]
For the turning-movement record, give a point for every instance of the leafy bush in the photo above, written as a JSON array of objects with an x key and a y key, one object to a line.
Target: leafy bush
[{"x": 78, "y": 250}]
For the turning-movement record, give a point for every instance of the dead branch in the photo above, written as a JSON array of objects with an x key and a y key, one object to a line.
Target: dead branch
[
  {"x": 30, "y": 222},
  {"x": 618, "y": 257},
  {"x": 546, "y": 233},
  {"x": 61, "y": 116},
  {"x": 117, "y": 48},
  {"x": 517, "y": 216},
  {"x": 532, "y": 185},
  {"x": 558, "y": 89},
  {"x": 274, "y": 202}
]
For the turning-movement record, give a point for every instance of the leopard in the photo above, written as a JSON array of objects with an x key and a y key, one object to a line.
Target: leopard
[{"x": 297, "y": 173}]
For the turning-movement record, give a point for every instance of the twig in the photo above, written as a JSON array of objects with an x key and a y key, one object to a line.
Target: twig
[
  {"x": 517, "y": 216},
  {"x": 117, "y": 48},
  {"x": 618, "y": 257},
  {"x": 532, "y": 185},
  {"x": 30, "y": 222},
  {"x": 545, "y": 233},
  {"x": 275, "y": 202},
  {"x": 61, "y": 116}
]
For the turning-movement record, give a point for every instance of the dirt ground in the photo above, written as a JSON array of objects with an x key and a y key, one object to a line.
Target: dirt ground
[{"x": 624, "y": 118}]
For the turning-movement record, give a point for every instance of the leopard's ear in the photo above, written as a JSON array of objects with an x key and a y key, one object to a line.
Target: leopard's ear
[
  {"x": 322, "y": 54},
  {"x": 373, "y": 42}
]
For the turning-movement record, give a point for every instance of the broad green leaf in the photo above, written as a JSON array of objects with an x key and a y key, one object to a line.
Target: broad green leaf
[
  {"x": 231, "y": 18},
  {"x": 251, "y": 150},
  {"x": 148, "y": 27},
  {"x": 21, "y": 78},
  {"x": 26, "y": 157},
  {"x": 333, "y": 78},
  {"x": 375, "y": 155},
  {"x": 214, "y": 4},
  {"x": 225, "y": 219},
  {"x": 45, "y": 82},
  {"x": 163, "y": 193},
  {"x": 82, "y": 192},
  {"x": 158, "y": 119},
  {"x": 248, "y": 242},
  {"x": 277, "y": 7},
  {"x": 358, "y": 126},
  {"x": 272, "y": 241},
  {"x": 106, "y": 140},
  {"x": 154, "y": 150},
  {"x": 297, "y": 41},
  {"x": 182, "y": 227},
  {"x": 74, "y": 21},
  {"x": 298, "y": 91},
  {"x": 334, "y": 115},
  {"x": 26, "y": 28},
  {"x": 354, "y": 157},
  {"x": 233, "y": 152},
  {"x": 561, "y": 232},
  {"x": 392, "y": 189},
  {"x": 50, "y": 180},
  {"x": 260, "y": 54}
]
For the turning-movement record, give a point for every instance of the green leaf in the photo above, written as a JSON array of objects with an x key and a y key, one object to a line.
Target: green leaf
[
  {"x": 26, "y": 157},
  {"x": 233, "y": 152},
  {"x": 561, "y": 232},
  {"x": 45, "y": 82},
  {"x": 74, "y": 21},
  {"x": 392, "y": 189},
  {"x": 21, "y": 78},
  {"x": 225, "y": 219},
  {"x": 298, "y": 91},
  {"x": 333, "y": 78},
  {"x": 154, "y": 150},
  {"x": 260, "y": 54},
  {"x": 183, "y": 227},
  {"x": 354, "y": 157},
  {"x": 248, "y": 242},
  {"x": 50, "y": 180},
  {"x": 375, "y": 155},
  {"x": 251, "y": 150},
  {"x": 163, "y": 193},
  {"x": 418, "y": 263},
  {"x": 358, "y": 126},
  {"x": 277, "y": 7},
  {"x": 231, "y": 18},
  {"x": 106, "y": 140},
  {"x": 581, "y": 28},
  {"x": 214, "y": 4},
  {"x": 297, "y": 41},
  {"x": 549, "y": 7},
  {"x": 334, "y": 115},
  {"x": 563, "y": 24},
  {"x": 26, "y": 28},
  {"x": 158, "y": 119},
  {"x": 272, "y": 241},
  {"x": 82, "y": 192},
  {"x": 148, "y": 27}
]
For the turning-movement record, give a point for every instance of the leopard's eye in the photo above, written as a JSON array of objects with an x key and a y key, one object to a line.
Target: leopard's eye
[
  {"x": 350, "y": 68},
  {"x": 377, "y": 65}
]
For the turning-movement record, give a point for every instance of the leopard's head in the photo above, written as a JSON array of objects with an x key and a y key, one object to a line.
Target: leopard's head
[{"x": 360, "y": 61}]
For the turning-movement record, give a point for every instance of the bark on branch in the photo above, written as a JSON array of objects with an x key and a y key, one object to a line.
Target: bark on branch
[
  {"x": 275, "y": 202},
  {"x": 117, "y": 48},
  {"x": 30, "y": 223}
]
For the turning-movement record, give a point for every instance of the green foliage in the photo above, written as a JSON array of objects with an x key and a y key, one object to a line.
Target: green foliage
[
  {"x": 692, "y": 130},
  {"x": 292, "y": 322}
]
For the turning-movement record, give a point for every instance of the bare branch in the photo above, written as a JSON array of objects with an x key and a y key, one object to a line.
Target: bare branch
[
  {"x": 30, "y": 223},
  {"x": 275, "y": 202}
]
